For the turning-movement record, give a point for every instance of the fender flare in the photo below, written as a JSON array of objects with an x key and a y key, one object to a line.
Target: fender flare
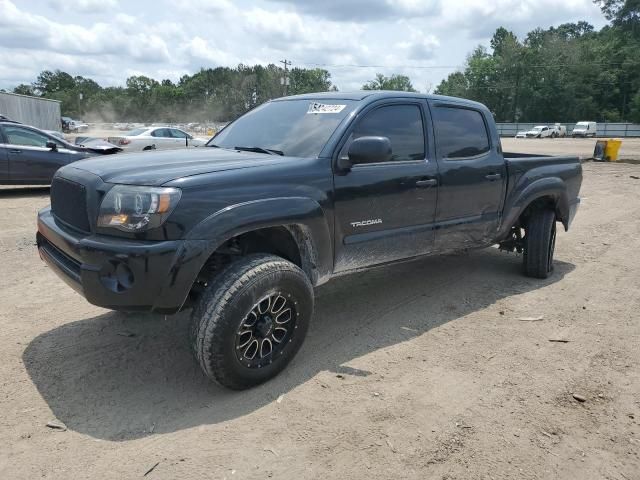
[
  {"x": 303, "y": 217},
  {"x": 551, "y": 187}
]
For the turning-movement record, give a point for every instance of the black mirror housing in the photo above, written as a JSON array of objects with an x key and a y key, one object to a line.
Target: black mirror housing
[
  {"x": 51, "y": 145},
  {"x": 370, "y": 150}
]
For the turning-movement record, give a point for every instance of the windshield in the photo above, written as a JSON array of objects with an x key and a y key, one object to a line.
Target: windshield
[
  {"x": 297, "y": 128},
  {"x": 582, "y": 124},
  {"x": 135, "y": 132},
  {"x": 536, "y": 129}
]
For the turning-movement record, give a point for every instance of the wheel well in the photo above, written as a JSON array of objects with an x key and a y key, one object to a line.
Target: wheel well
[
  {"x": 290, "y": 242},
  {"x": 513, "y": 241},
  {"x": 546, "y": 202}
]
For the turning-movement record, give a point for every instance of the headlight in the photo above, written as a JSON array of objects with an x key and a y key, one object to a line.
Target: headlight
[{"x": 135, "y": 209}]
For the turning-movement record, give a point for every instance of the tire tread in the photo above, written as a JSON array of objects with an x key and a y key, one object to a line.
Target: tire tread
[
  {"x": 208, "y": 312},
  {"x": 536, "y": 251}
]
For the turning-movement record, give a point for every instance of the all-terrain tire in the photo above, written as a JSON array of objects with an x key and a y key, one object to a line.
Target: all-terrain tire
[
  {"x": 222, "y": 310},
  {"x": 539, "y": 243}
]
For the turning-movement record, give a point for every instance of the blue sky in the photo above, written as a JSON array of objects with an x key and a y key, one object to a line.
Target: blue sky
[{"x": 109, "y": 40}]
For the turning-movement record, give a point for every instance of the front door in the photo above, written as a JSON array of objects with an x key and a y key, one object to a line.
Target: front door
[
  {"x": 4, "y": 160},
  {"x": 385, "y": 211},
  {"x": 180, "y": 138},
  {"x": 164, "y": 139},
  {"x": 472, "y": 177},
  {"x": 30, "y": 160}
]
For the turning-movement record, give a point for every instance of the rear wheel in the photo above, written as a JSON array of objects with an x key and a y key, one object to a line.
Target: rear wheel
[
  {"x": 539, "y": 243},
  {"x": 251, "y": 320}
]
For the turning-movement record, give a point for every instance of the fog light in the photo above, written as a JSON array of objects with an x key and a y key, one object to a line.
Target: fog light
[{"x": 116, "y": 276}]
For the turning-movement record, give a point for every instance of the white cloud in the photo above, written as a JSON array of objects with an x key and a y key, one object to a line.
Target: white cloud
[
  {"x": 480, "y": 19},
  {"x": 108, "y": 39},
  {"x": 364, "y": 11},
  {"x": 85, "y": 6}
]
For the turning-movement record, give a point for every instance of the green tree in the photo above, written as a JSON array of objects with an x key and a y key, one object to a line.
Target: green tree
[
  {"x": 394, "y": 82},
  {"x": 24, "y": 89},
  {"x": 622, "y": 13},
  {"x": 564, "y": 73}
]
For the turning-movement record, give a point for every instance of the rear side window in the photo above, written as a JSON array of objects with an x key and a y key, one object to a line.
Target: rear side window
[
  {"x": 460, "y": 132},
  {"x": 162, "y": 133},
  {"x": 401, "y": 124}
]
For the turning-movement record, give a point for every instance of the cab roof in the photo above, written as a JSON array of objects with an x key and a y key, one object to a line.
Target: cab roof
[{"x": 372, "y": 95}]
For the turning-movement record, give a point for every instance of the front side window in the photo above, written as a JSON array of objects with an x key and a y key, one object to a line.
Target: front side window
[
  {"x": 401, "y": 124},
  {"x": 177, "y": 133},
  {"x": 460, "y": 132},
  {"x": 26, "y": 137}
]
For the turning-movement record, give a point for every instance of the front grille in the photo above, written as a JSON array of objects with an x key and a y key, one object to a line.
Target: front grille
[{"x": 69, "y": 203}]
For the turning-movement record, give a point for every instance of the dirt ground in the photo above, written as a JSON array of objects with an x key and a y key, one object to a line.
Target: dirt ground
[
  {"x": 442, "y": 368},
  {"x": 630, "y": 148}
]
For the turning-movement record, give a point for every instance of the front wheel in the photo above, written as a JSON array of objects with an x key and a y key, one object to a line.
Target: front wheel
[
  {"x": 251, "y": 320},
  {"x": 539, "y": 243}
]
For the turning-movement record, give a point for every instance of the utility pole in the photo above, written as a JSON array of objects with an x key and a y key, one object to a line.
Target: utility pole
[{"x": 284, "y": 81}]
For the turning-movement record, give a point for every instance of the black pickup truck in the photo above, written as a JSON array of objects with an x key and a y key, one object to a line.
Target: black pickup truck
[{"x": 291, "y": 194}]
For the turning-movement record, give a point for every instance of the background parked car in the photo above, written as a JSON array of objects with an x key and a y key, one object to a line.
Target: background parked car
[
  {"x": 156, "y": 138},
  {"x": 559, "y": 130},
  {"x": 71, "y": 125},
  {"x": 30, "y": 156},
  {"x": 585, "y": 129},
  {"x": 77, "y": 126},
  {"x": 540, "y": 131}
]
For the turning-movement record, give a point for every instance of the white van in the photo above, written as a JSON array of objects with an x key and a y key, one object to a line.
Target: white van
[
  {"x": 584, "y": 129},
  {"x": 559, "y": 131}
]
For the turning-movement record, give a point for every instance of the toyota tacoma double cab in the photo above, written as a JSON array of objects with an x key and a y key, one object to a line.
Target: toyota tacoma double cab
[{"x": 297, "y": 191}]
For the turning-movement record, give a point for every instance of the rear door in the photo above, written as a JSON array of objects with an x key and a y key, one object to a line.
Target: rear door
[
  {"x": 385, "y": 211},
  {"x": 30, "y": 161},
  {"x": 472, "y": 176}
]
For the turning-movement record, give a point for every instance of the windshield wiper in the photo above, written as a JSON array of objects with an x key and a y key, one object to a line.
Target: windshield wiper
[{"x": 268, "y": 151}]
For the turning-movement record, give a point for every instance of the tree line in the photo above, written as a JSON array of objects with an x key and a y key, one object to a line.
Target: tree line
[
  {"x": 212, "y": 94},
  {"x": 566, "y": 73}
]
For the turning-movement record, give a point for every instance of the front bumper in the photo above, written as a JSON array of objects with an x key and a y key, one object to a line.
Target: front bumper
[{"x": 119, "y": 273}]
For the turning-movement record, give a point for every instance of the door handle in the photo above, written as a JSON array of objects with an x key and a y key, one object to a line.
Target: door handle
[
  {"x": 15, "y": 150},
  {"x": 431, "y": 182},
  {"x": 493, "y": 176}
]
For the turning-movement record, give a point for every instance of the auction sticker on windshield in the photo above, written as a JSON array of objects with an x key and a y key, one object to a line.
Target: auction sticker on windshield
[{"x": 315, "y": 107}]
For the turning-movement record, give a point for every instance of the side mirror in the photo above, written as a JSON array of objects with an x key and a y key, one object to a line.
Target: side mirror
[
  {"x": 53, "y": 146},
  {"x": 367, "y": 150}
]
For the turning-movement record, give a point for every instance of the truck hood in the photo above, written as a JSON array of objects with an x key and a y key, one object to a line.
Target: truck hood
[{"x": 156, "y": 168}]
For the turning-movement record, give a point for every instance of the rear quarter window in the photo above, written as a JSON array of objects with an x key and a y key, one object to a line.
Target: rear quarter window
[{"x": 460, "y": 133}]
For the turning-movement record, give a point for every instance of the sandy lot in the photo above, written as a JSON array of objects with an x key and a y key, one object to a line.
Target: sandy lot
[
  {"x": 436, "y": 369},
  {"x": 630, "y": 148}
]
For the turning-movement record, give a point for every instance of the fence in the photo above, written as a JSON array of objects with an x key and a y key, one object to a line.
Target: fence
[
  {"x": 38, "y": 112},
  {"x": 603, "y": 130}
]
